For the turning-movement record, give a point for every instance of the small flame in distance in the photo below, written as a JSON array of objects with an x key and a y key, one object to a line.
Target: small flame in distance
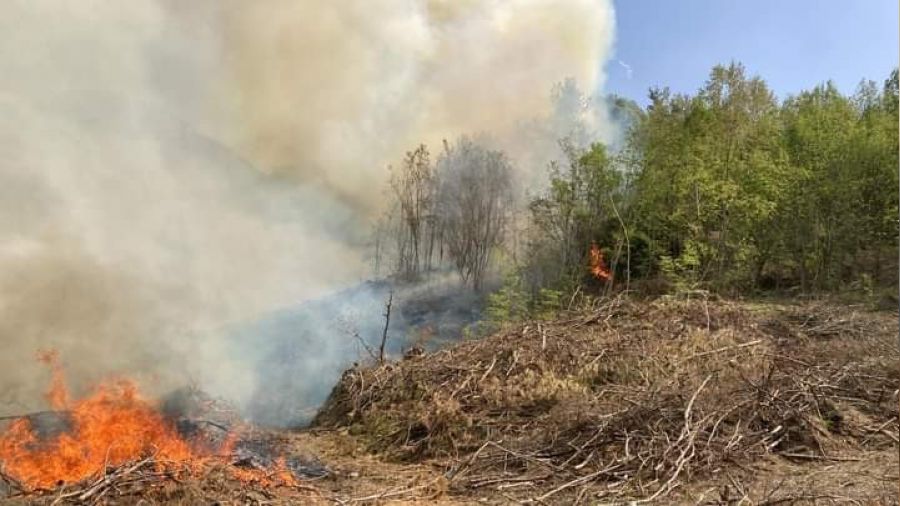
[{"x": 597, "y": 265}]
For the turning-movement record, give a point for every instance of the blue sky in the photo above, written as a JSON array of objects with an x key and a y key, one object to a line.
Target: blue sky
[{"x": 792, "y": 44}]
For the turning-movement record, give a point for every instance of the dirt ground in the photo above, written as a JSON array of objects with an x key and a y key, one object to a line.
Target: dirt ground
[{"x": 866, "y": 477}]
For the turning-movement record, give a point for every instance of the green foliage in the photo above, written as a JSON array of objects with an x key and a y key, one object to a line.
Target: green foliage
[
  {"x": 513, "y": 303},
  {"x": 683, "y": 271},
  {"x": 549, "y": 303},
  {"x": 841, "y": 208},
  {"x": 575, "y": 212},
  {"x": 735, "y": 190},
  {"x": 729, "y": 189},
  {"x": 710, "y": 174},
  {"x": 509, "y": 303}
]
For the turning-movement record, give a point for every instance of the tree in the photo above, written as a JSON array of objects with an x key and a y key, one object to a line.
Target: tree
[
  {"x": 474, "y": 202},
  {"x": 727, "y": 189},
  {"x": 841, "y": 213},
  {"x": 710, "y": 173},
  {"x": 577, "y": 209},
  {"x": 411, "y": 220}
]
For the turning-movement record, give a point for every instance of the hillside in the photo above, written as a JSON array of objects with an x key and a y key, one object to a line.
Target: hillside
[
  {"x": 676, "y": 400},
  {"x": 687, "y": 400}
]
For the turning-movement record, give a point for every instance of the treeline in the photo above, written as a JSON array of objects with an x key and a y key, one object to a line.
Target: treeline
[
  {"x": 732, "y": 189},
  {"x": 728, "y": 189}
]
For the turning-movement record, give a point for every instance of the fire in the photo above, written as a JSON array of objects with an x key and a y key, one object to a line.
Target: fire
[
  {"x": 58, "y": 395},
  {"x": 280, "y": 475},
  {"x": 597, "y": 265},
  {"x": 110, "y": 427}
]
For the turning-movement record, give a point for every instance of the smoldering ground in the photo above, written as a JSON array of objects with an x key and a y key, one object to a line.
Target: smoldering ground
[{"x": 173, "y": 170}]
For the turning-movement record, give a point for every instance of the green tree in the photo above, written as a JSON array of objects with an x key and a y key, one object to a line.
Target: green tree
[
  {"x": 577, "y": 209},
  {"x": 711, "y": 171}
]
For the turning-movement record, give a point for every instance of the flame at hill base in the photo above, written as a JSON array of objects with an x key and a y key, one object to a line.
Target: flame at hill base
[{"x": 110, "y": 427}]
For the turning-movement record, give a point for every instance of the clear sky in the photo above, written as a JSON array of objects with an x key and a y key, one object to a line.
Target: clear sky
[{"x": 792, "y": 44}]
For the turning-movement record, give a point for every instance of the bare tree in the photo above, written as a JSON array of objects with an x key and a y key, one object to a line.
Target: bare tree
[
  {"x": 414, "y": 193},
  {"x": 474, "y": 202},
  {"x": 349, "y": 328}
]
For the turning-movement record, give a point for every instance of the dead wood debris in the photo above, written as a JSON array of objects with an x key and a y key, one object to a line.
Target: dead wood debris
[
  {"x": 155, "y": 482},
  {"x": 258, "y": 469},
  {"x": 633, "y": 402}
]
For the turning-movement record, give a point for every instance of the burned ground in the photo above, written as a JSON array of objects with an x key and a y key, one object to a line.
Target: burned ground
[{"x": 693, "y": 400}]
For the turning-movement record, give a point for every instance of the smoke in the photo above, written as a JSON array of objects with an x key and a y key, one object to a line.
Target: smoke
[
  {"x": 332, "y": 92},
  {"x": 170, "y": 169}
]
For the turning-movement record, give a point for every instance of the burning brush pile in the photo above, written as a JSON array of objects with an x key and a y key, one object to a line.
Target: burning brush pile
[
  {"x": 676, "y": 400},
  {"x": 113, "y": 444}
]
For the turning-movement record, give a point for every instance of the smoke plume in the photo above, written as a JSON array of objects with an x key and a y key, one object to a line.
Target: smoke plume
[{"x": 170, "y": 168}]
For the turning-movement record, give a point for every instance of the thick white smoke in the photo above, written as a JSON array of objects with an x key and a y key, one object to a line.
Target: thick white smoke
[
  {"x": 331, "y": 92},
  {"x": 168, "y": 168}
]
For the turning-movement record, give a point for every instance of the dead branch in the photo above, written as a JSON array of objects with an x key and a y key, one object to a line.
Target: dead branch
[{"x": 387, "y": 322}]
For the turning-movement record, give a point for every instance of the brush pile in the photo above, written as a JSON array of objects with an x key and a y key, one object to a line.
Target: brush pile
[
  {"x": 636, "y": 401},
  {"x": 155, "y": 481},
  {"x": 194, "y": 448}
]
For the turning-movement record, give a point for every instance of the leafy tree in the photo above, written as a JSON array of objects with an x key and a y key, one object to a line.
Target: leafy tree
[{"x": 575, "y": 211}]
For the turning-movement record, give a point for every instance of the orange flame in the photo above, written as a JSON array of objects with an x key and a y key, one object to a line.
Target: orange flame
[
  {"x": 58, "y": 395},
  {"x": 280, "y": 475},
  {"x": 110, "y": 427},
  {"x": 597, "y": 265}
]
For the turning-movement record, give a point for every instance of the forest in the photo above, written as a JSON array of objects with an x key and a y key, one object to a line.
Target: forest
[{"x": 730, "y": 190}]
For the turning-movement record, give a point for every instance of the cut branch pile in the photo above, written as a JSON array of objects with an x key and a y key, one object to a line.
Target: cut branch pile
[
  {"x": 240, "y": 463},
  {"x": 633, "y": 402},
  {"x": 231, "y": 478},
  {"x": 154, "y": 481}
]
